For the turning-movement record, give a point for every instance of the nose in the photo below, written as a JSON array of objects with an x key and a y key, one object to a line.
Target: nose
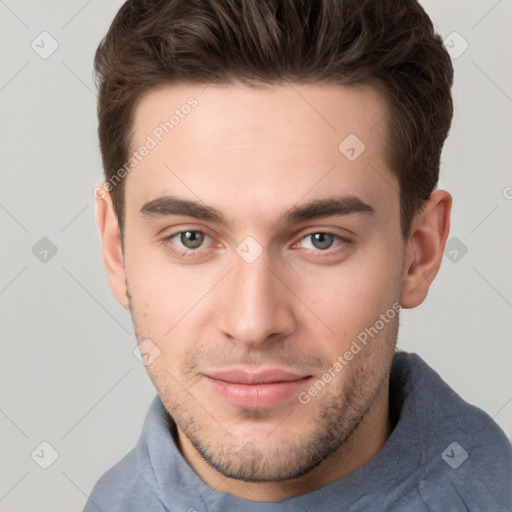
[{"x": 256, "y": 304}]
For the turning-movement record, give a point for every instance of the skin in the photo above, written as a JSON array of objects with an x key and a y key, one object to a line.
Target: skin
[{"x": 253, "y": 154}]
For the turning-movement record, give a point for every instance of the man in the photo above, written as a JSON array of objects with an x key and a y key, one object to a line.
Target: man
[{"x": 269, "y": 206}]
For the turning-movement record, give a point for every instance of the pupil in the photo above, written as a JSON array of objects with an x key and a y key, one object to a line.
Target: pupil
[
  {"x": 192, "y": 239},
  {"x": 322, "y": 240}
]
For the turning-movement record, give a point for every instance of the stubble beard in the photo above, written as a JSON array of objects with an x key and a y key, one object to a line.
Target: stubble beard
[{"x": 275, "y": 459}]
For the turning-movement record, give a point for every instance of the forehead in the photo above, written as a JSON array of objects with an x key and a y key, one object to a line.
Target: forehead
[
  {"x": 239, "y": 113},
  {"x": 271, "y": 143}
]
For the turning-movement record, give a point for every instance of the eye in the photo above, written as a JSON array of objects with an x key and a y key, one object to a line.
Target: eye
[
  {"x": 191, "y": 239},
  {"x": 322, "y": 241},
  {"x": 194, "y": 243},
  {"x": 186, "y": 243}
]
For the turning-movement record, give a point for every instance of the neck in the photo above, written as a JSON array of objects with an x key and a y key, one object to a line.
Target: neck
[{"x": 361, "y": 447}]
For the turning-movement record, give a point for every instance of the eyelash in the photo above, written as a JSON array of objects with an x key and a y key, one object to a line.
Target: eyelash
[{"x": 194, "y": 253}]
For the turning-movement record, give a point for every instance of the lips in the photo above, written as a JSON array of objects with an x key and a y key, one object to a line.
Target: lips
[{"x": 259, "y": 390}]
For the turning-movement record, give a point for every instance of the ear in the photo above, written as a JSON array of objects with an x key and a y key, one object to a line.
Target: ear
[
  {"x": 110, "y": 235},
  {"x": 424, "y": 249}
]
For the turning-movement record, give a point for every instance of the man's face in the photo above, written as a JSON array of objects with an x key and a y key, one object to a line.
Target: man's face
[{"x": 249, "y": 308}]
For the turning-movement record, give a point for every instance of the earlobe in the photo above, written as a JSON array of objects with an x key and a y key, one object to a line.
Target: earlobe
[
  {"x": 113, "y": 257},
  {"x": 424, "y": 250}
]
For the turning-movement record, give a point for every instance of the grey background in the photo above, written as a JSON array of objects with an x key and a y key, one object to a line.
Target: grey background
[{"x": 68, "y": 373}]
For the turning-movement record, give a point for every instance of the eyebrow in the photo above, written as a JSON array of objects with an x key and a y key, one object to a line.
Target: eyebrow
[{"x": 319, "y": 208}]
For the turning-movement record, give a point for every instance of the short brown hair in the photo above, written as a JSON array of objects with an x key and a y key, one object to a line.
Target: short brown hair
[{"x": 390, "y": 45}]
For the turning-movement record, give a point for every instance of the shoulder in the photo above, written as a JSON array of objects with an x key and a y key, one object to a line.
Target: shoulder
[
  {"x": 465, "y": 453},
  {"x": 480, "y": 464},
  {"x": 124, "y": 488}
]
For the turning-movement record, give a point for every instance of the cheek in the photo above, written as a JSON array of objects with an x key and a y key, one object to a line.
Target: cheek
[
  {"x": 350, "y": 297},
  {"x": 169, "y": 305},
  {"x": 154, "y": 282}
]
